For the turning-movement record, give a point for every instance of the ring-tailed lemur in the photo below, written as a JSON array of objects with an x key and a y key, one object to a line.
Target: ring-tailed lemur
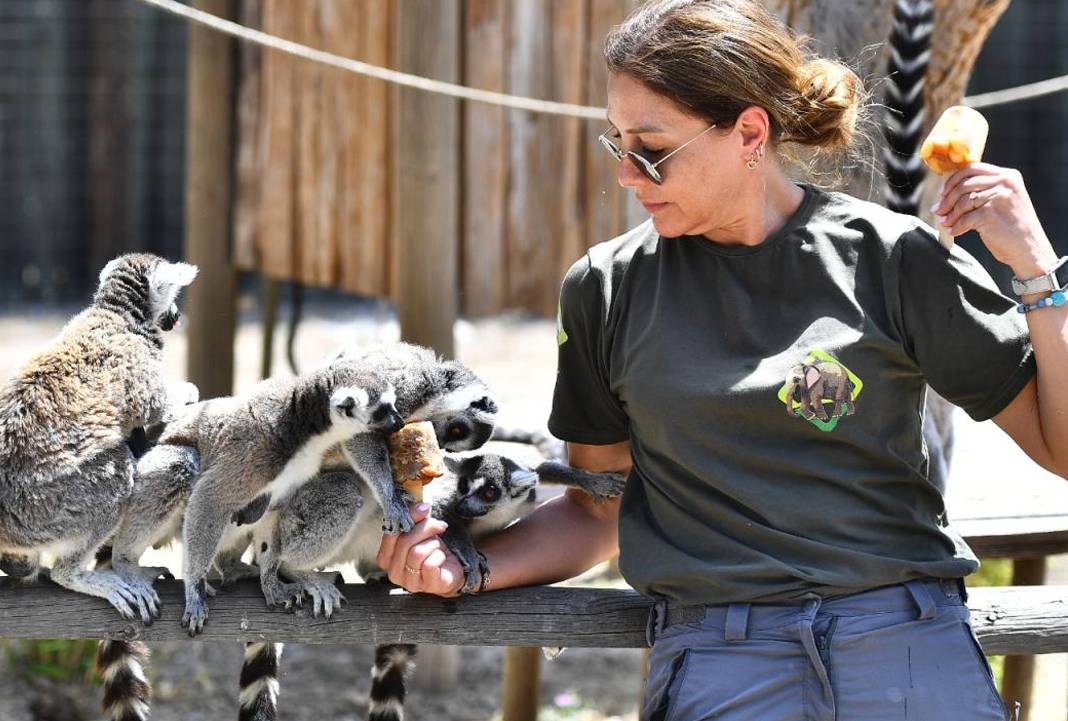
[
  {"x": 65, "y": 468},
  {"x": 481, "y": 494},
  {"x": 268, "y": 442}
]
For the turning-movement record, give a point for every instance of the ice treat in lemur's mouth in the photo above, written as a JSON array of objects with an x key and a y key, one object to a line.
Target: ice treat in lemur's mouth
[
  {"x": 957, "y": 139},
  {"x": 415, "y": 457}
]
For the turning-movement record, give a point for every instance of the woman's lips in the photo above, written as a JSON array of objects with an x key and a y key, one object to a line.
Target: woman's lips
[{"x": 653, "y": 207}]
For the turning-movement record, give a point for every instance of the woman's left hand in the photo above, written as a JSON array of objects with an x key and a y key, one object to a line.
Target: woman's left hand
[{"x": 994, "y": 202}]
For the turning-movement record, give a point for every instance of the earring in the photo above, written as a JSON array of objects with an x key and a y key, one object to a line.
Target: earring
[{"x": 755, "y": 158}]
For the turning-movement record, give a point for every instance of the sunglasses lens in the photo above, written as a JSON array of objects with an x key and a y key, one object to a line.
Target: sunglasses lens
[{"x": 645, "y": 167}]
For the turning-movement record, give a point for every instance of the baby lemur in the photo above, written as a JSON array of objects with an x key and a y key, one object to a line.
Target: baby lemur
[
  {"x": 328, "y": 522},
  {"x": 66, "y": 472}
]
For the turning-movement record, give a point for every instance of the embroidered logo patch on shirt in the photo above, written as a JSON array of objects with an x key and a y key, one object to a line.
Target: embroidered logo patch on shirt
[{"x": 821, "y": 390}]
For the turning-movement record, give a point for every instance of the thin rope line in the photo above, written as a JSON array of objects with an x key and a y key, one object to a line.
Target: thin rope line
[
  {"x": 1021, "y": 92},
  {"x": 393, "y": 76},
  {"x": 982, "y": 100}
]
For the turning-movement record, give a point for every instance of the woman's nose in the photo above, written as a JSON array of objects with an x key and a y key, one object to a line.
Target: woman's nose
[{"x": 628, "y": 174}]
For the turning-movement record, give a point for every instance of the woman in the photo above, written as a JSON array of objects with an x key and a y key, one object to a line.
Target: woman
[{"x": 755, "y": 357}]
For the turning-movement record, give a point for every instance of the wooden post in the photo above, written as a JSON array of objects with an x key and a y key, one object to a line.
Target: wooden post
[
  {"x": 1019, "y": 678},
  {"x": 519, "y": 701},
  {"x": 426, "y": 196},
  {"x": 209, "y": 196}
]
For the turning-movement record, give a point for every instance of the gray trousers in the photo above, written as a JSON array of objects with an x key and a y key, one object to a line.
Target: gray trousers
[{"x": 904, "y": 652}]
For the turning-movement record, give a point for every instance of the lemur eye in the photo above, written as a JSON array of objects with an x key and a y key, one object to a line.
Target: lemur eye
[
  {"x": 456, "y": 431},
  {"x": 489, "y": 493}
]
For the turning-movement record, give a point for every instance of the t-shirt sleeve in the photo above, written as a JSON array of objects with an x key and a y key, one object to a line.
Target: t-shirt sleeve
[
  {"x": 585, "y": 410},
  {"x": 968, "y": 339}
]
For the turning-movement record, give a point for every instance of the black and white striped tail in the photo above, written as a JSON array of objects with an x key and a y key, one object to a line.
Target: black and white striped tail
[
  {"x": 259, "y": 682},
  {"x": 910, "y": 45},
  {"x": 127, "y": 693},
  {"x": 392, "y": 663}
]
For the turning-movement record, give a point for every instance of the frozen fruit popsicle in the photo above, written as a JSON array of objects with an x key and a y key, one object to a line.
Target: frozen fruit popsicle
[{"x": 957, "y": 139}]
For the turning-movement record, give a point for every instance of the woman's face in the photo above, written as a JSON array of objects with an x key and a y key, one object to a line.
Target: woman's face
[{"x": 698, "y": 182}]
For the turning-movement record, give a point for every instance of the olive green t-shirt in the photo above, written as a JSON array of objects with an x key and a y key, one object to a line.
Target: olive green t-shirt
[{"x": 773, "y": 397}]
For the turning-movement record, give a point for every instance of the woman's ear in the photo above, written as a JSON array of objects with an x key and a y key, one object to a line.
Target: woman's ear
[{"x": 754, "y": 127}]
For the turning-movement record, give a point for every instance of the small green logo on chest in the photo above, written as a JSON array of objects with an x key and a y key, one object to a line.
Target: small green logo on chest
[
  {"x": 821, "y": 390},
  {"x": 561, "y": 334}
]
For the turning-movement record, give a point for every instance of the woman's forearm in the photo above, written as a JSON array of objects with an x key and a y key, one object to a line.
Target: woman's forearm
[{"x": 559, "y": 540}]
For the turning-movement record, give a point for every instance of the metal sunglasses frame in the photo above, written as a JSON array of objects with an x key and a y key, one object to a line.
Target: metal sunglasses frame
[{"x": 647, "y": 168}]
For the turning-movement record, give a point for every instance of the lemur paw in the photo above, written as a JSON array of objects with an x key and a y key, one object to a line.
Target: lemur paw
[
  {"x": 139, "y": 581},
  {"x": 397, "y": 518},
  {"x": 326, "y": 598},
  {"x": 196, "y": 608}
]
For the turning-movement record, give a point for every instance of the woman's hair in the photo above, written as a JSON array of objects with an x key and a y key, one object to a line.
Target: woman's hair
[{"x": 718, "y": 57}]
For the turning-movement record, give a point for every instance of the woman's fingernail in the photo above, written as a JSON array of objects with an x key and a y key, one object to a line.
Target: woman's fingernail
[
  {"x": 942, "y": 219},
  {"x": 423, "y": 508},
  {"x": 934, "y": 208},
  {"x": 942, "y": 190}
]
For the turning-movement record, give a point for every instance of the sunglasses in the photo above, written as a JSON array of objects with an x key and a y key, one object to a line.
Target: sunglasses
[{"x": 647, "y": 167}]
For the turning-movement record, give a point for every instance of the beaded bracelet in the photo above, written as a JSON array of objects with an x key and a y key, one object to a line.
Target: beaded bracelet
[{"x": 1057, "y": 298}]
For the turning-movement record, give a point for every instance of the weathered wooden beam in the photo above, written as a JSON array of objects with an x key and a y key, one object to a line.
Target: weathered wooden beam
[
  {"x": 212, "y": 307},
  {"x": 1021, "y": 620}
]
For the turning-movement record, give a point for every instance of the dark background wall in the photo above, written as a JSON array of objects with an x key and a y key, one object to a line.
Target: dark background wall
[{"x": 92, "y": 121}]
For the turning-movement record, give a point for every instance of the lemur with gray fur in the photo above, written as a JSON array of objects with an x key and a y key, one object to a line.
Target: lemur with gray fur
[
  {"x": 328, "y": 522},
  {"x": 66, "y": 471}
]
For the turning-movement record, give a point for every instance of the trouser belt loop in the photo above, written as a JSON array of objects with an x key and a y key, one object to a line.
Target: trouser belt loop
[
  {"x": 737, "y": 625},
  {"x": 921, "y": 595},
  {"x": 654, "y": 626}
]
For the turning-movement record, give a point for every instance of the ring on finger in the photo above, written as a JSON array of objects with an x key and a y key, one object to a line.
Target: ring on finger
[{"x": 413, "y": 571}]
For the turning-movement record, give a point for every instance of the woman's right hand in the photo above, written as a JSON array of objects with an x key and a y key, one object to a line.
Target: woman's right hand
[{"x": 419, "y": 561}]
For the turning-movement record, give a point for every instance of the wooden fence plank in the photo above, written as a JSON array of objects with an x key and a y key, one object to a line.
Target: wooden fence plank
[
  {"x": 1024, "y": 619},
  {"x": 307, "y": 89},
  {"x": 277, "y": 212},
  {"x": 533, "y": 221},
  {"x": 606, "y": 204},
  {"x": 570, "y": 42},
  {"x": 426, "y": 183},
  {"x": 484, "y": 265},
  {"x": 249, "y": 154}
]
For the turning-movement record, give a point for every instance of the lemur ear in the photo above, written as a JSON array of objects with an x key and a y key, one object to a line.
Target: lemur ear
[
  {"x": 174, "y": 274},
  {"x": 454, "y": 464}
]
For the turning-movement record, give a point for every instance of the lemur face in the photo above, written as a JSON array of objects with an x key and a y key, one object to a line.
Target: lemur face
[
  {"x": 372, "y": 408},
  {"x": 472, "y": 424},
  {"x": 491, "y": 484}
]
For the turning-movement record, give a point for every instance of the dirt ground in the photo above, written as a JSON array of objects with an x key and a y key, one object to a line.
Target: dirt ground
[{"x": 516, "y": 355}]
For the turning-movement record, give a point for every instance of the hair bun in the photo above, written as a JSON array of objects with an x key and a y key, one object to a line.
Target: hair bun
[{"x": 832, "y": 96}]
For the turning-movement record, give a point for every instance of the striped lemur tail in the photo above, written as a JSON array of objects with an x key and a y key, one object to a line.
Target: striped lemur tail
[
  {"x": 259, "y": 682},
  {"x": 127, "y": 692},
  {"x": 910, "y": 45},
  {"x": 392, "y": 664}
]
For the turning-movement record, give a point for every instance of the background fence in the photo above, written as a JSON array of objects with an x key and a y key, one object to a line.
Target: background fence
[{"x": 92, "y": 120}]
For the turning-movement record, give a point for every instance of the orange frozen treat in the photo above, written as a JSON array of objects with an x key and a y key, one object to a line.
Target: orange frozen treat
[
  {"x": 957, "y": 139},
  {"x": 415, "y": 457}
]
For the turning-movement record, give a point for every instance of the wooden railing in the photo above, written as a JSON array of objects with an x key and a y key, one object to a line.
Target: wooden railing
[{"x": 1007, "y": 620}]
